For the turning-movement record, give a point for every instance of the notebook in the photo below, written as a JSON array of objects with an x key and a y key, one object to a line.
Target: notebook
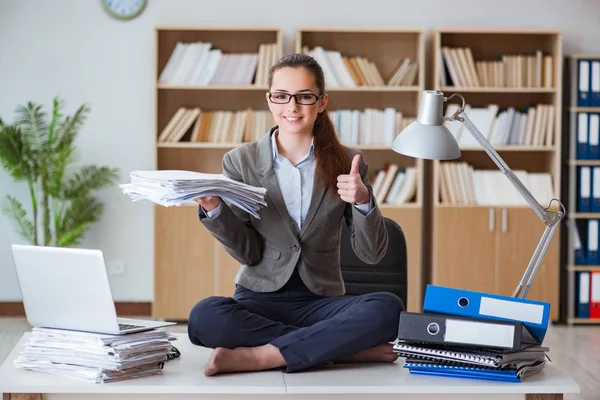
[
  {"x": 468, "y": 371},
  {"x": 471, "y": 356}
]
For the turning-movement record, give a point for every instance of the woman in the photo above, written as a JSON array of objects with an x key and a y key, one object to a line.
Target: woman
[{"x": 288, "y": 310}]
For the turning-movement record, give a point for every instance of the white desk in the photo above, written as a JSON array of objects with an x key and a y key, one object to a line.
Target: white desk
[{"x": 184, "y": 379}]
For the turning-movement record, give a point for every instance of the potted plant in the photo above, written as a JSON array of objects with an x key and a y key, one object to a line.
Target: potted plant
[{"x": 39, "y": 149}]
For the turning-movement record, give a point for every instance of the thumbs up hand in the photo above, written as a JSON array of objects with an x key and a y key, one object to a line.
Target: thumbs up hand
[{"x": 351, "y": 187}]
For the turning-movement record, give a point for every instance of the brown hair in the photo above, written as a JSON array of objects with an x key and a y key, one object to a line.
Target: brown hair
[{"x": 331, "y": 157}]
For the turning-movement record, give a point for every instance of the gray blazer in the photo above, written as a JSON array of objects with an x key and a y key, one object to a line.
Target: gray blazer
[{"x": 270, "y": 248}]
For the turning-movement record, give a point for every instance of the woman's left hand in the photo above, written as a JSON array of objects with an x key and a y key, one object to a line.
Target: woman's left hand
[{"x": 351, "y": 187}]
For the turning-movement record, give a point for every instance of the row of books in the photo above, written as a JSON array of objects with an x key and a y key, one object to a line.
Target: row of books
[
  {"x": 198, "y": 64},
  {"x": 395, "y": 185},
  {"x": 351, "y": 71},
  {"x": 460, "y": 334},
  {"x": 534, "y": 126},
  {"x": 510, "y": 70},
  {"x": 221, "y": 126},
  {"x": 461, "y": 184},
  {"x": 97, "y": 358},
  {"x": 369, "y": 126}
]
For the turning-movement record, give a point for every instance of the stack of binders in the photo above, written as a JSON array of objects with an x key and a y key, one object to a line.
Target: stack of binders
[{"x": 474, "y": 335}]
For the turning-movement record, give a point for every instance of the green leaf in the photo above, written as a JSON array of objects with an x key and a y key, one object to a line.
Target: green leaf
[
  {"x": 89, "y": 178},
  {"x": 15, "y": 211},
  {"x": 78, "y": 216}
]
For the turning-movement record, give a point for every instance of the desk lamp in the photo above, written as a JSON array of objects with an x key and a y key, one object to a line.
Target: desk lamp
[{"x": 429, "y": 139}]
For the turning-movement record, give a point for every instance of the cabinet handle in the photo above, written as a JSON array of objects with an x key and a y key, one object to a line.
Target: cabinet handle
[
  {"x": 504, "y": 220},
  {"x": 492, "y": 220}
]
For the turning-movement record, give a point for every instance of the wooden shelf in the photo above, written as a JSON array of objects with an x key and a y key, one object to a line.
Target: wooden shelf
[
  {"x": 515, "y": 90},
  {"x": 584, "y": 268},
  {"x": 386, "y": 48},
  {"x": 584, "y": 109},
  {"x": 505, "y": 236},
  {"x": 578, "y": 221},
  {"x": 591, "y": 163},
  {"x": 261, "y": 88},
  {"x": 573, "y": 321},
  {"x": 181, "y": 242},
  {"x": 576, "y": 215}
]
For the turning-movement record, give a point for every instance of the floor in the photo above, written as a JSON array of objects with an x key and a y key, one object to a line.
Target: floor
[{"x": 575, "y": 349}]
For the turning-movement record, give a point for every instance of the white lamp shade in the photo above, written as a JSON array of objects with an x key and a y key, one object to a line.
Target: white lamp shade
[
  {"x": 427, "y": 137},
  {"x": 431, "y": 142}
]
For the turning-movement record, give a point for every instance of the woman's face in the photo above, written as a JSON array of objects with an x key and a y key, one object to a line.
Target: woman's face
[{"x": 298, "y": 115}]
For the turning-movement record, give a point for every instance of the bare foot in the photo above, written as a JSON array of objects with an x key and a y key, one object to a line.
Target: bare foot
[
  {"x": 243, "y": 359},
  {"x": 382, "y": 353}
]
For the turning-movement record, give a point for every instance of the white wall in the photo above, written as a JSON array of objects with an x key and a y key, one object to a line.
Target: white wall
[{"x": 72, "y": 48}]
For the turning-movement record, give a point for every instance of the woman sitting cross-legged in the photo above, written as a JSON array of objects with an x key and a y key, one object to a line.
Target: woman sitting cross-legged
[{"x": 289, "y": 310}]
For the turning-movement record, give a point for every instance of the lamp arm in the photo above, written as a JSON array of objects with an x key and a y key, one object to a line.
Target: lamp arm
[{"x": 550, "y": 218}]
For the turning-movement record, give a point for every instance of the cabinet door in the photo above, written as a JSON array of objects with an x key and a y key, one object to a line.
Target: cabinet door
[
  {"x": 409, "y": 220},
  {"x": 519, "y": 232},
  {"x": 184, "y": 262},
  {"x": 464, "y": 248}
]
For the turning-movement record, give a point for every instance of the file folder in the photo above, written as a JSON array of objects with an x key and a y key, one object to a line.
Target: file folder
[
  {"x": 580, "y": 257},
  {"x": 582, "y": 136},
  {"x": 460, "y": 331},
  {"x": 583, "y": 295},
  {"x": 583, "y": 89},
  {"x": 451, "y": 301},
  {"x": 595, "y": 294},
  {"x": 595, "y": 203},
  {"x": 592, "y": 248},
  {"x": 595, "y": 84},
  {"x": 593, "y": 136},
  {"x": 585, "y": 191}
]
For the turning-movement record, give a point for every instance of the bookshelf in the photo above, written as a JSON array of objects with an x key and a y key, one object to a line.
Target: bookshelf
[
  {"x": 582, "y": 127},
  {"x": 483, "y": 234},
  {"x": 375, "y": 77},
  {"x": 194, "y": 74}
]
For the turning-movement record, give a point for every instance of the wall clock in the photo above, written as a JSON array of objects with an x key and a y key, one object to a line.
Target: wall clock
[{"x": 124, "y": 9}]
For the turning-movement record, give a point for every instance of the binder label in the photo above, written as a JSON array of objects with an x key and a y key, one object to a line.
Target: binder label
[
  {"x": 478, "y": 333},
  {"x": 533, "y": 313}
]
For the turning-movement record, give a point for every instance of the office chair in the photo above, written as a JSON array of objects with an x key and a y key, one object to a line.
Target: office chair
[{"x": 388, "y": 275}]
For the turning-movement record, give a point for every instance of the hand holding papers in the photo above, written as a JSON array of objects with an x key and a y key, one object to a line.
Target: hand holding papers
[{"x": 175, "y": 188}]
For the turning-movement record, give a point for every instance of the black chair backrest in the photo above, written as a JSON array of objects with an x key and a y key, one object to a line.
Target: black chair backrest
[{"x": 389, "y": 275}]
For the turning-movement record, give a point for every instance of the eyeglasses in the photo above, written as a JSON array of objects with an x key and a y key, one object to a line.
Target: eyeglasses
[{"x": 305, "y": 99}]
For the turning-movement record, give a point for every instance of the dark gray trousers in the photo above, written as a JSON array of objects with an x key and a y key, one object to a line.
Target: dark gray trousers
[{"x": 307, "y": 329}]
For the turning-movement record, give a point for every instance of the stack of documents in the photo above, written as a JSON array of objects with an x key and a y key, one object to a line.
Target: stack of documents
[
  {"x": 175, "y": 188},
  {"x": 97, "y": 358},
  {"x": 474, "y": 335}
]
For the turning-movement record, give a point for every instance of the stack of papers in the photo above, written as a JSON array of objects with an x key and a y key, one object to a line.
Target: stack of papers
[
  {"x": 175, "y": 188},
  {"x": 97, "y": 358}
]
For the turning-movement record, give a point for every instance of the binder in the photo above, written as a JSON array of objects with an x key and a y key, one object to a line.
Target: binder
[
  {"x": 593, "y": 136},
  {"x": 595, "y": 203},
  {"x": 461, "y": 331},
  {"x": 582, "y": 136},
  {"x": 450, "y": 301},
  {"x": 583, "y": 89},
  {"x": 583, "y": 294},
  {"x": 595, "y": 294},
  {"x": 580, "y": 258},
  {"x": 585, "y": 191},
  {"x": 595, "y": 83},
  {"x": 465, "y": 373},
  {"x": 592, "y": 246}
]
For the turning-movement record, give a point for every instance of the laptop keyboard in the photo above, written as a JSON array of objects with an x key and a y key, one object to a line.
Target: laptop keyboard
[{"x": 129, "y": 326}]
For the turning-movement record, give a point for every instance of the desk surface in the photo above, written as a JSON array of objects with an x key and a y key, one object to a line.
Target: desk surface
[{"x": 185, "y": 376}]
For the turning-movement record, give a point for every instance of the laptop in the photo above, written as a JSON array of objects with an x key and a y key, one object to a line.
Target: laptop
[{"x": 68, "y": 288}]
